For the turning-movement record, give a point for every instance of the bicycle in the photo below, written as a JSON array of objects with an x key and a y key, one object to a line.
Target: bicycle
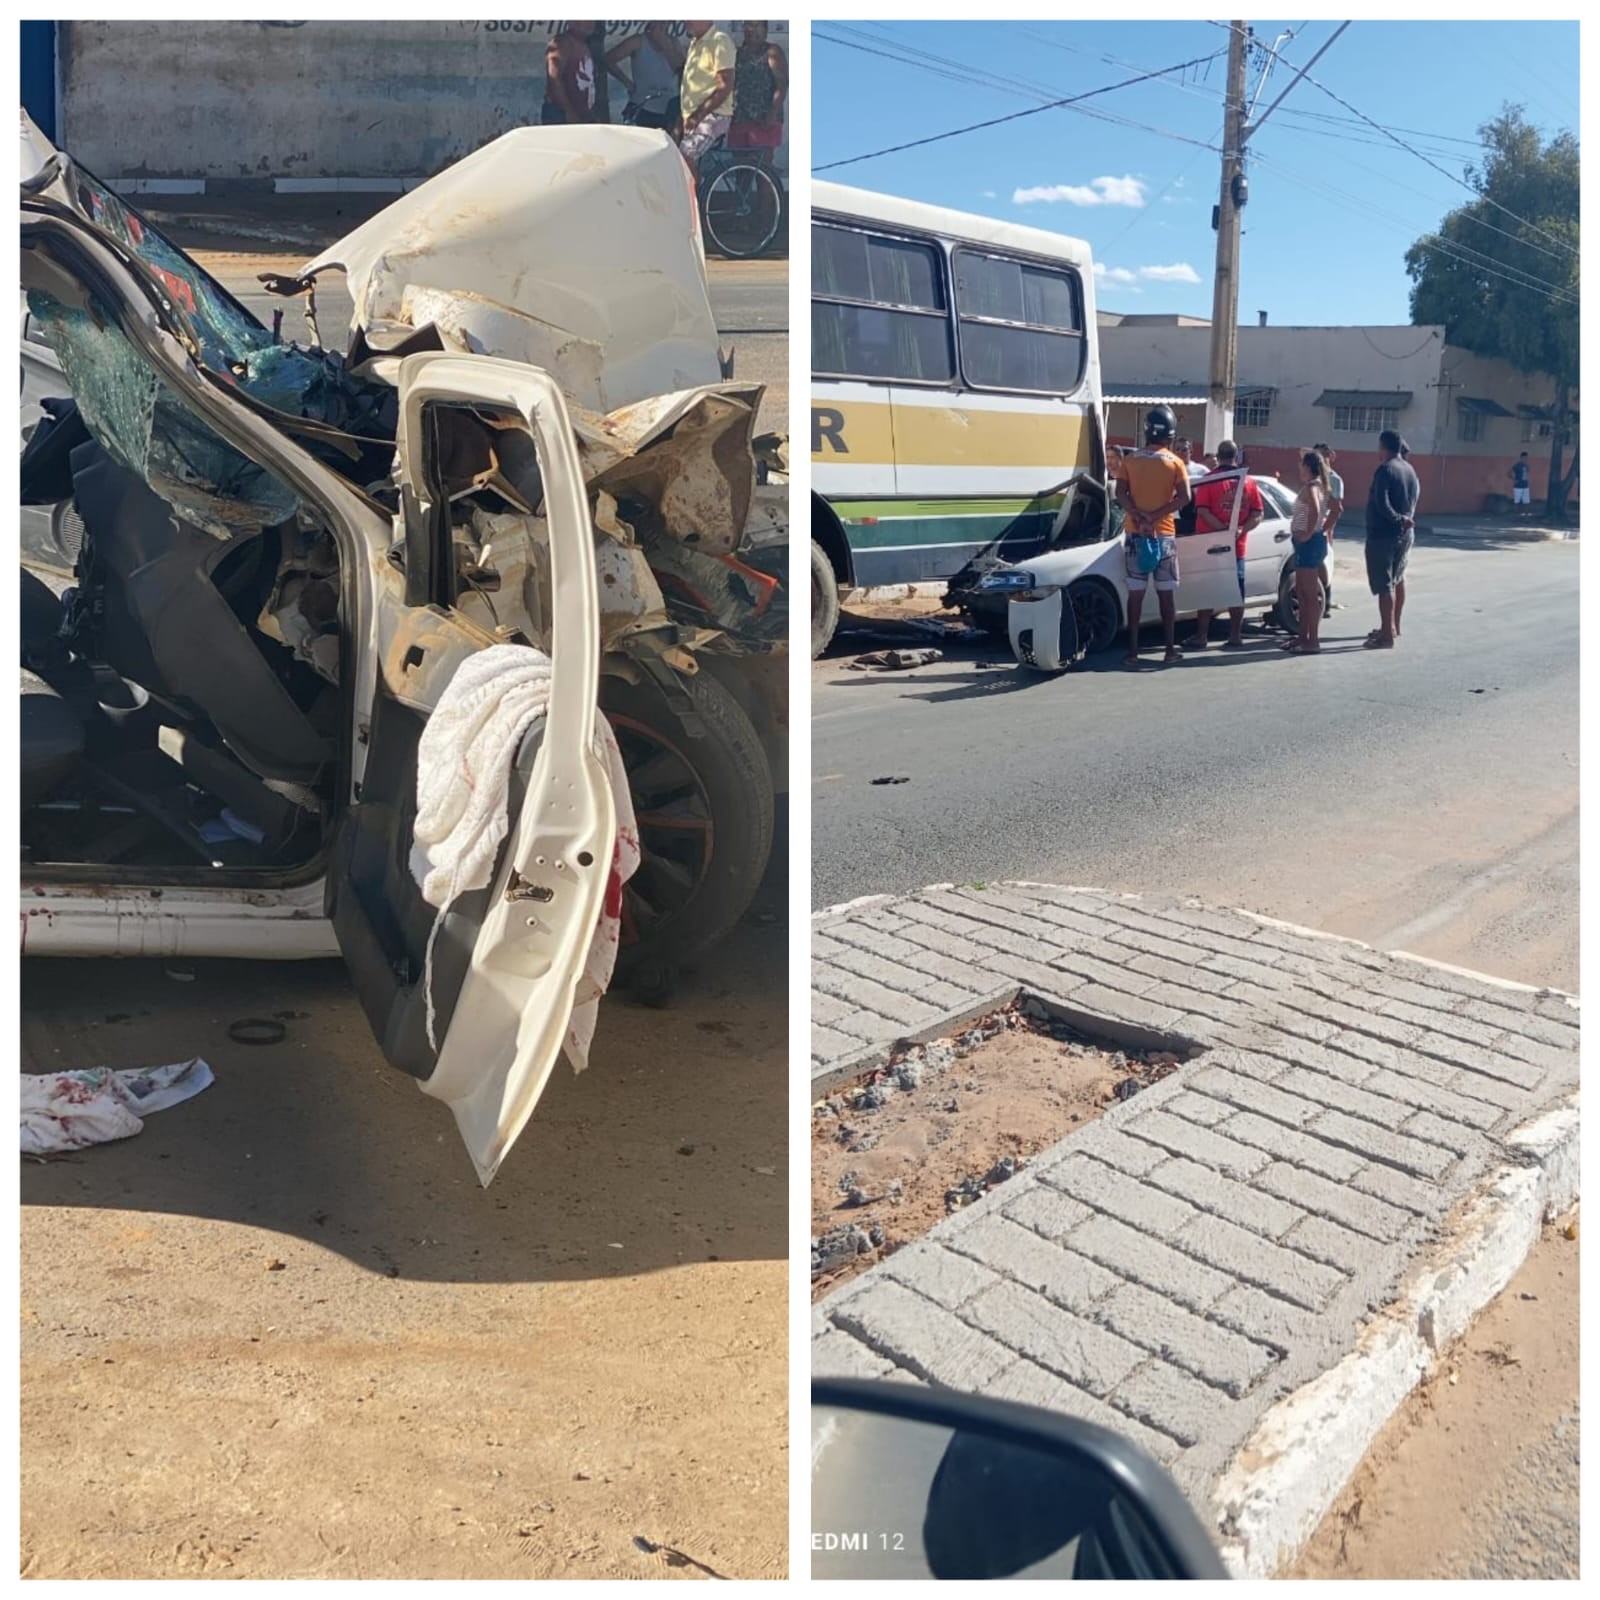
[{"x": 741, "y": 203}]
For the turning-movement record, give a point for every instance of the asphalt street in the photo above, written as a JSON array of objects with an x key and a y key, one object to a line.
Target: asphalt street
[{"x": 1424, "y": 799}]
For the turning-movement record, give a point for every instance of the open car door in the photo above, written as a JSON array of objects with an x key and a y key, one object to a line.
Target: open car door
[{"x": 506, "y": 962}]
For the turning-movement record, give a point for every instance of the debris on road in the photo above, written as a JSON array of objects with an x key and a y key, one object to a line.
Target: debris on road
[
  {"x": 890, "y": 623},
  {"x": 95, "y": 1105},
  {"x": 881, "y": 781},
  {"x": 257, "y": 1030},
  {"x": 895, "y": 660}
]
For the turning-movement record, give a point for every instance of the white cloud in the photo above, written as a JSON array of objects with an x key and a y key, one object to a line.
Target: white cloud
[
  {"x": 1114, "y": 274},
  {"x": 988, "y": 194},
  {"x": 1178, "y": 272},
  {"x": 1126, "y": 191}
]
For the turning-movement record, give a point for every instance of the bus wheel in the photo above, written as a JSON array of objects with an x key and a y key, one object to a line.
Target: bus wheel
[
  {"x": 1095, "y": 607},
  {"x": 824, "y": 600}
]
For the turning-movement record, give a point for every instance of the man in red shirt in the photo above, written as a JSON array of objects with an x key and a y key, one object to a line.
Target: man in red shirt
[{"x": 1214, "y": 497}]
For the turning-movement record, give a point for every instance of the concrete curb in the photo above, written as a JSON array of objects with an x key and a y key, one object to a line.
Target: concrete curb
[
  {"x": 895, "y": 591},
  {"x": 1510, "y": 534},
  {"x": 1269, "y": 1481},
  {"x": 1292, "y": 1468}
]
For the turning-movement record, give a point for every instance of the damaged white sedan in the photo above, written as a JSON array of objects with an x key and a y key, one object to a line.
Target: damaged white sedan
[{"x": 281, "y": 555}]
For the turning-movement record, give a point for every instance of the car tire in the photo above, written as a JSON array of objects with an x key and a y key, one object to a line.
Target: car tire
[
  {"x": 1286, "y": 613},
  {"x": 1095, "y": 606},
  {"x": 824, "y": 600},
  {"x": 705, "y": 812}
]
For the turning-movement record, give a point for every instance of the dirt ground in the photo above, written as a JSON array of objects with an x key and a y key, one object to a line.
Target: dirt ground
[
  {"x": 1462, "y": 1483},
  {"x": 283, "y": 1333},
  {"x": 901, "y": 1166}
]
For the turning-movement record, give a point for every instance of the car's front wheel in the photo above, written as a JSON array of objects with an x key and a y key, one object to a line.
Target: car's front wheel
[
  {"x": 1098, "y": 613},
  {"x": 703, "y": 800}
]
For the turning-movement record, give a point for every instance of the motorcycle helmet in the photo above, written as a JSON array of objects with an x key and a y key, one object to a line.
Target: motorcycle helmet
[{"x": 1159, "y": 425}]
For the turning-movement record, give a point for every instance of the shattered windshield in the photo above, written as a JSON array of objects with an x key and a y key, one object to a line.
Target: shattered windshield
[
  {"x": 228, "y": 335},
  {"x": 150, "y": 430},
  {"x": 234, "y": 347}
]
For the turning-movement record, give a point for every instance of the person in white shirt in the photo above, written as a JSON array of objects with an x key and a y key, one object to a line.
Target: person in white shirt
[
  {"x": 1331, "y": 521},
  {"x": 1185, "y": 452}
]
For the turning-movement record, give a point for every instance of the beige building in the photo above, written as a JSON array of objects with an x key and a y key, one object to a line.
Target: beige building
[{"x": 1465, "y": 419}]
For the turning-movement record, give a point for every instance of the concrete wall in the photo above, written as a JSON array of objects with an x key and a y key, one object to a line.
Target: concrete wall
[
  {"x": 262, "y": 100},
  {"x": 1298, "y": 362},
  {"x": 1458, "y": 476}
]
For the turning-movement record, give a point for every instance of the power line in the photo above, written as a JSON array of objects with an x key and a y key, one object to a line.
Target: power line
[
  {"x": 942, "y": 66},
  {"x": 1387, "y": 177},
  {"x": 1161, "y": 194},
  {"x": 1434, "y": 242},
  {"x": 994, "y": 122},
  {"x": 1463, "y": 252},
  {"x": 1470, "y": 188},
  {"x": 1212, "y": 97},
  {"x": 960, "y": 72}
]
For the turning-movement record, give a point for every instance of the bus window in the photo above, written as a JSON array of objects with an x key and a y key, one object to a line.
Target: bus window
[
  {"x": 1021, "y": 324},
  {"x": 878, "y": 308}
]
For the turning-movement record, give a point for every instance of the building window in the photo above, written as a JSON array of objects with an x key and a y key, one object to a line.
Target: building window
[
  {"x": 1364, "y": 419},
  {"x": 1253, "y": 411},
  {"x": 878, "y": 308},
  {"x": 1534, "y": 432},
  {"x": 1469, "y": 424}
]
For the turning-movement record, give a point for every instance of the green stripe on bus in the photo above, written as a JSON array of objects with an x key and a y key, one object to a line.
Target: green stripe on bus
[
  {"x": 963, "y": 529},
  {"x": 858, "y": 510}
]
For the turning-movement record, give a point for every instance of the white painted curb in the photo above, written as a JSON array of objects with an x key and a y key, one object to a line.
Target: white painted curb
[
  {"x": 859, "y": 904},
  {"x": 897, "y": 591},
  {"x": 1291, "y": 1470}
]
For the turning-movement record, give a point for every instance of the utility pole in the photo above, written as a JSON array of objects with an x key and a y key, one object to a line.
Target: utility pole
[
  {"x": 1225, "y": 290},
  {"x": 1236, "y": 134}
]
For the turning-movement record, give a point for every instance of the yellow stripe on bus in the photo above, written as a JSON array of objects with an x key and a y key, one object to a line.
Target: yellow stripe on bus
[{"x": 853, "y": 433}]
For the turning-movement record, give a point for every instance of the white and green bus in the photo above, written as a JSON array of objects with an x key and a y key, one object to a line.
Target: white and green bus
[{"x": 955, "y": 388}]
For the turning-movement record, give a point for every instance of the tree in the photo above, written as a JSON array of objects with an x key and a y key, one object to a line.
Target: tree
[{"x": 1501, "y": 273}]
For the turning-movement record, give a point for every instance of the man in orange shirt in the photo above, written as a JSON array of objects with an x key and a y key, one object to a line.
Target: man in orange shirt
[{"x": 1152, "y": 488}]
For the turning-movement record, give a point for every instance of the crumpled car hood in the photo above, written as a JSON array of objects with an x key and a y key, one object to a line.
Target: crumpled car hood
[
  {"x": 574, "y": 249},
  {"x": 687, "y": 454}
]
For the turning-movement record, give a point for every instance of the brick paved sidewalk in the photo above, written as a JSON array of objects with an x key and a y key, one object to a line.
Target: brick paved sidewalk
[{"x": 1219, "y": 1240}]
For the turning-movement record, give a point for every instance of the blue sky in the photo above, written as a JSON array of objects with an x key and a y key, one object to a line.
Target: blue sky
[{"x": 1333, "y": 204}]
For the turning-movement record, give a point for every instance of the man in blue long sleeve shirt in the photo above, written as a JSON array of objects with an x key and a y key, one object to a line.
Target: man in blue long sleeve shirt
[{"x": 1391, "y": 519}]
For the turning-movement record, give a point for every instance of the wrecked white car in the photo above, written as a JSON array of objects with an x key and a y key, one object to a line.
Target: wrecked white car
[{"x": 281, "y": 554}]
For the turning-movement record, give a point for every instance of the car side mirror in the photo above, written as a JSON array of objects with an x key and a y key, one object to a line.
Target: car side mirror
[{"x": 908, "y": 1482}]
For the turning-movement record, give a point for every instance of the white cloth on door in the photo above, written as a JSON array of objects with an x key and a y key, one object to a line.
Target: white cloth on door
[
  {"x": 94, "y": 1105},
  {"x": 464, "y": 761}
]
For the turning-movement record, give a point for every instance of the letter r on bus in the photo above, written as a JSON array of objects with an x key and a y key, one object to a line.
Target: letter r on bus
[{"x": 828, "y": 424}]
